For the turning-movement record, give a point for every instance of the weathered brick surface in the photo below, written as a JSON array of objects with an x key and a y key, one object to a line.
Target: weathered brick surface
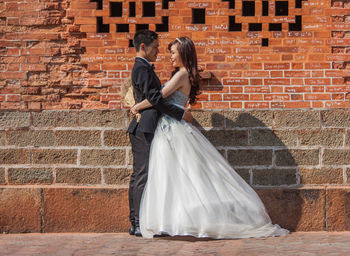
[
  {"x": 248, "y": 118},
  {"x": 274, "y": 177},
  {"x": 21, "y": 176},
  {"x": 20, "y": 210},
  {"x": 14, "y": 156},
  {"x": 296, "y": 119},
  {"x": 103, "y": 157},
  {"x": 267, "y": 137},
  {"x": 336, "y": 118},
  {"x": 2, "y": 175},
  {"x": 338, "y": 212},
  {"x": 78, "y": 175},
  {"x": 85, "y": 210},
  {"x": 249, "y": 157},
  {"x": 116, "y": 138},
  {"x": 14, "y": 119},
  {"x": 103, "y": 118},
  {"x": 35, "y": 138},
  {"x": 295, "y": 157},
  {"x": 227, "y": 138},
  {"x": 324, "y": 137},
  {"x": 208, "y": 119},
  {"x": 54, "y": 156},
  {"x": 321, "y": 176},
  {"x": 77, "y": 138},
  {"x": 338, "y": 156},
  {"x": 55, "y": 119},
  {"x": 119, "y": 176},
  {"x": 2, "y": 138}
]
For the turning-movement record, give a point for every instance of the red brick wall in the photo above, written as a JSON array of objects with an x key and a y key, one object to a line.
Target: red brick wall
[{"x": 52, "y": 58}]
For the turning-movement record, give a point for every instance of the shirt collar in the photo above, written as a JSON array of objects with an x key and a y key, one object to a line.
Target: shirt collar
[{"x": 145, "y": 60}]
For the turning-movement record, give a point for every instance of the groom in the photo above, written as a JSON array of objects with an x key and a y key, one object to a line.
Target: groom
[{"x": 146, "y": 85}]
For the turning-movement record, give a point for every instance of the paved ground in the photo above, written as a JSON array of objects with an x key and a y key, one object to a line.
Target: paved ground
[{"x": 299, "y": 243}]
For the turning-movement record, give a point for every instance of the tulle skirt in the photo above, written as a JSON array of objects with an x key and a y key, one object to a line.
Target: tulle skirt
[{"x": 192, "y": 190}]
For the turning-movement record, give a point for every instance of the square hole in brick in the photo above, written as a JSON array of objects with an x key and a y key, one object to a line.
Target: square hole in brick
[
  {"x": 281, "y": 8},
  {"x": 198, "y": 16},
  {"x": 248, "y": 8},
  {"x": 99, "y": 4},
  {"x": 101, "y": 28},
  {"x": 233, "y": 26},
  {"x": 116, "y": 9},
  {"x": 165, "y": 4},
  {"x": 141, "y": 26},
  {"x": 132, "y": 9},
  {"x": 122, "y": 27},
  {"x": 149, "y": 9},
  {"x": 298, "y": 3},
  {"x": 265, "y": 42},
  {"x": 164, "y": 27},
  {"x": 131, "y": 43},
  {"x": 255, "y": 27},
  {"x": 231, "y": 3},
  {"x": 275, "y": 27},
  {"x": 297, "y": 26},
  {"x": 265, "y": 8}
]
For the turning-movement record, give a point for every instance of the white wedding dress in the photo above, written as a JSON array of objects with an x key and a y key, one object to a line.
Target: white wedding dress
[{"x": 192, "y": 190}]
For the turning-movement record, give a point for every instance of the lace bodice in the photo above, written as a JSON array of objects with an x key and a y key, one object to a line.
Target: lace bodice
[{"x": 177, "y": 98}]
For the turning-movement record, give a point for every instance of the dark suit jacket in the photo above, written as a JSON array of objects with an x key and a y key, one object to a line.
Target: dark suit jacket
[{"x": 146, "y": 85}]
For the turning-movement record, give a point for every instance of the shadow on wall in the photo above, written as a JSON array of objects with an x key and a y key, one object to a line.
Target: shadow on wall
[{"x": 257, "y": 153}]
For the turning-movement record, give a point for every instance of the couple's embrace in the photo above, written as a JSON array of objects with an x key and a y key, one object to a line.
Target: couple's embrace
[{"x": 181, "y": 185}]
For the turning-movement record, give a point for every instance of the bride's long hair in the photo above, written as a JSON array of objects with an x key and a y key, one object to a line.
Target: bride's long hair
[{"x": 188, "y": 55}]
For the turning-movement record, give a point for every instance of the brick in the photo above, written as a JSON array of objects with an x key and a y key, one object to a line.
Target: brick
[
  {"x": 117, "y": 176},
  {"x": 335, "y": 118},
  {"x": 55, "y": 119},
  {"x": 14, "y": 156},
  {"x": 78, "y": 175},
  {"x": 86, "y": 210},
  {"x": 2, "y": 138},
  {"x": 296, "y": 209},
  {"x": 2, "y": 176},
  {"x": 20, "y": 176},
  {"x": 296, "y": 119},
  {"x": 321, "y": 137},
  {"x": 116, "y": 138},
  {"x": 321, "y": 176},
  {"x": 274, "y": 177},
  {"x": 20, "y": 210},
  {"x": 77, "y": 138},
  {"x": 103, "y": 157},
  {"x": 337, "y": 209},
  {"x": 227, "y": 137},
  {"x": 296, "y": 157},
  {"x": 14, "y": 119},
  {"x": 256, "y": 118},
  {"x": 24, "y": 138},
  {"x": 103, "y": 118},
  {"x": 249, "y": 157},
  {"x": 267, "y": 137},
  {"x": 54, "y": 156},
  {"x": 336, "y": 157}
]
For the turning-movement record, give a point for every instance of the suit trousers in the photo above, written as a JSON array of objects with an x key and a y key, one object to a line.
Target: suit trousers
[{"x": 141, "y": 144}]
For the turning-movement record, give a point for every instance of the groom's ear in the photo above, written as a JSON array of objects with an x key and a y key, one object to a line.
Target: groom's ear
[{"x": 142, "y": 47}]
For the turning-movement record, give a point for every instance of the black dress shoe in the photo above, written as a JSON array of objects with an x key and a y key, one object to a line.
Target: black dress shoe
[
  {"x": 138, "y": 231},
  {"x": 132, "y": 230}
]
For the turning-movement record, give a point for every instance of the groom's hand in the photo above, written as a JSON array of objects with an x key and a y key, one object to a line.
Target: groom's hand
[{"x": 187, "y": 116}]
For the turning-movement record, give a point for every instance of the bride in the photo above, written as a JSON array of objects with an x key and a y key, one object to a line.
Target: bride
[{"x": 191, "y": 189}]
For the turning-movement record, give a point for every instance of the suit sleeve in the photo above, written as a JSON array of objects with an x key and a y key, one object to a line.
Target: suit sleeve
[{"x": 144, "y": 81}]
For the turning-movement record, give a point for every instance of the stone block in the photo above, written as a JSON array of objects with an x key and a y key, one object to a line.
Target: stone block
[
  {"x": 54, "y": 118},
  {"x": 295, "y": 157},
  {"x": 321, "y": 176},
  {"x": 256, "y": 118},
  {"x": 116, "y": 138},
  {"x": 338, "y": 210},
  {"x": 103, "y": 118},
  {"x": 336, "y": 118},
  {"x": 324, "y": 137},
  {"x": 274, "y": 177},
  {"x": 249, "y": 157},
  {"x": 85, "y": 210},
  {"x": 347, "y": 138},
  {"x": 295, "y": 209},
  {"x": 227, "y": 137},
  {"x": 20, "y": 210},
  {"x": 348, "y": 175},
  {"x": 118, "y": 176},
  {"x": 78, "y": 175},
  {"x": 77, "y": 138},
  {"x": 14, "y": 156},
  {"x": 267, "y": 137},
  {"x": 244, "y": 173},
  {"x": 103, "y": 157},
  {"x": 2, "y": 138},
  {"x": 2, "y": 176},
  {"x": 30, "y": 176},
  {"x": 23, "y": 138},
  {"x": 11, "y": 119},
  {"x": 54, "y": 156},
  {"x": 336, "y": 157},
  {"x": 297, "y": 119},
  {"x": 207, "y": 119}
]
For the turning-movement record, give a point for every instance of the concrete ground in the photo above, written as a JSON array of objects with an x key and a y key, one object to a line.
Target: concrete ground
[{"x": 297, "y": 243}]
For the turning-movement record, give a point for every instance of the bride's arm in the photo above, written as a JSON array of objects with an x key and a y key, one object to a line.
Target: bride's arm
[{"x": 172, "y": 85}]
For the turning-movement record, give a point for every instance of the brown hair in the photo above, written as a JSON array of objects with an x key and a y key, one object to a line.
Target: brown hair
[{"x": 188, "y": 55}]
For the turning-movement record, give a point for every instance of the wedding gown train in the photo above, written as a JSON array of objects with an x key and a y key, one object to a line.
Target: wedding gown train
[{"x": 192, "y": 189}]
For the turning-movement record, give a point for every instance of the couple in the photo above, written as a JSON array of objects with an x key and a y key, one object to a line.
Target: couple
[{"x": 181, "y": 185}]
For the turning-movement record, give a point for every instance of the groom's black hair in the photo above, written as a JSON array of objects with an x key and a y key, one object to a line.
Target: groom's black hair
[{"x": 144, "y": 36}]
